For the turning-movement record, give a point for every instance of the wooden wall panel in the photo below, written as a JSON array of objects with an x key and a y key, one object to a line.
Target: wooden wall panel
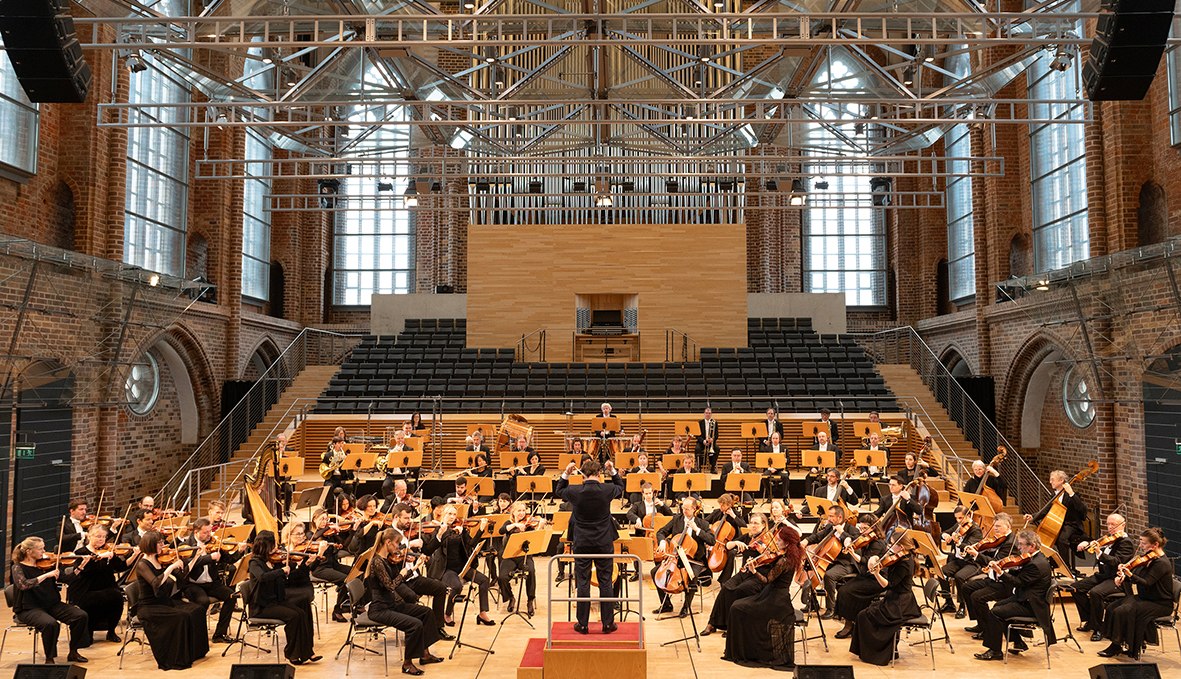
[{"x": 688, "y": 277}]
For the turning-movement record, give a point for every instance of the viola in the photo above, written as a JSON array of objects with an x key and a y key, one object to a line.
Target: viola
[
  {"x": 102, "y": 520},
  {"x": 1014, "y": 561},
  {"x": 1102, "y": 542},
  {"x": 219, "y": 545},
  {"x": 862, "y": 541},
  {"x": 314, "y": 546},
  {"x": 170, "y": 554}
]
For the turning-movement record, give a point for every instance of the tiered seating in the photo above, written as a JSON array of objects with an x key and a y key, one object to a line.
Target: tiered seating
[{"x": 786, "y": 362}]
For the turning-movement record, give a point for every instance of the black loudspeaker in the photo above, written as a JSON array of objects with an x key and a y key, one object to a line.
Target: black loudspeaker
[
  {"x": 1129, "y": 670},
  {"x": 1127, "y": 49},
  {"x": 49, "y": 672},
  {"x": 44, "y": 50},
  {"x": 262, "y": 671},
  {"x": 823, "y": 672}
]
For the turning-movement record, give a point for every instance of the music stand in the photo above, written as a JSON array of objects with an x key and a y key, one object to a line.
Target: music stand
[
  {"x": 809, "y": 430},
  {"x": 534, "y": 485},
  {"x": 739, "y": 483},
  {"x": 483, "y": 485},
  {"x": 925, "y": 543},
  {"x": 635, "y": 481},
  {"x": 564, "y": 460},
  {"x": 671, "y": 461},
  {"x": 511, "y": 459},
  {"x": 492, "y": 529},
  {"x": 523, "y": 545},
  {"x": 405, "y": 459},
  {"x": 982, "y": 514},
  {"x": 865, "y": 429},
  {"x": 753, "y": 432},
  {"x": 629, "y": 459},
  {"x": 351, "y": 448},
  {"x": 821, "y": 459},
  {"x": 575, "y": 479},
  {"x": 606, "y": 424},
  {"x": 769, "y": 461},
  {"x": 819, "y": 505},
  {"x": 871, "y": 458},
  {"x": 465, "y": 459},
  {"x": 690, "y": 483},
  {"x": 356, "y": 462},
  {"x": 291, "y": 467},
  {"x": 687, "y": 428},
  {"x": 472, "y": 590},
  {"x": 310, "y": 498}
]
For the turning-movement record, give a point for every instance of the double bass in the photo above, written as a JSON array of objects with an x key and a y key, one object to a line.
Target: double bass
[
  {"x": 1051, "y": 523},
  {"x": 994, "y": 499}
]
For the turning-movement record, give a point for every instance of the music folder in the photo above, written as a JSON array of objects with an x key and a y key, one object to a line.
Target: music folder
[
  {"x": 771, "y": 460},
  {"x": 754, "y": 430},
  {"x": 687, "y": 428},
  {"x": 610, "y": 424},
  {"x": 483, "y": 485},
  {"x": 865, "y": 428},
  {"x": 404, "y": 459}
]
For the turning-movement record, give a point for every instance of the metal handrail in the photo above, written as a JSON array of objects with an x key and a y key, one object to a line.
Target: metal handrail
[
  {"x": 688, "y": 346},
  {"x": 905, "y": 345},
  {"x": 551, "y": 599},
  {"x": 311, "y": 347}
]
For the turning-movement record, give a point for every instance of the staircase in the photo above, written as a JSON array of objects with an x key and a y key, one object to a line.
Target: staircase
[
  {"x": 307, "y": 385},
  {"x": 906, "y": 383}
]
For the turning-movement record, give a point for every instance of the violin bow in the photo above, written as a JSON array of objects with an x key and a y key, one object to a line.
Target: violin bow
[
  {"x": 61, "y": 534},
  {"x": 99, "y": 510}
]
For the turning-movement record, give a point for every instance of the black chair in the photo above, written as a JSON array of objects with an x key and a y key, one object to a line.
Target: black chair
[
  {"x": 360, "y": 624},
  {"x": 10, "y": 599},
  {"x": 268, "y": 627},
  {"x": 923, "y": 623},
  {"x": 1030, "y": 624},
  {"x": 1170, "y": 621},
  {"x": 133, "y": 626}
]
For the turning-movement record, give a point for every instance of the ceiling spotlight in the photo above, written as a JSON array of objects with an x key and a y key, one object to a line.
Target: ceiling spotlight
[
  {"x": 1062, "y": 59},
  {"x": 799, "y": 194},
  {"x": 469, "y": 5},
  {"x": 490, "y": 60},
  {"x": 1042, "y": 285},
  {"x": 268, "y": 60},
  {"x": 410, "y": 198},
  {"x": 135, "y": 63},
  {"x": 719, "y": 4},
  {"x": 820, "y": 186},
  {"x": 154, "y": 280},
  {"x": 703, "y": 59},
  {"x": 880, "y": 187},
  {"x": 385, "y": 186}
]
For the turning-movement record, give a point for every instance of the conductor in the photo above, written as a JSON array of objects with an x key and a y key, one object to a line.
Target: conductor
[{"x": 592, "y": 532}]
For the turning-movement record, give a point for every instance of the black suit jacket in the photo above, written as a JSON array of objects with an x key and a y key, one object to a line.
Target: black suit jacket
[
  {"x": 677, "y": 525},
  {"x": 821, "y": 490},
  {"x": 1122, "y": 550},
  {"x": 743, "y": 468},
  {"x": 590, "y": 502},
  {"x": 701, "y": 438},
  {"x": 907, "y": 507},
  {"x": 1030, "y": 584},
  {"x": 778, "y": 428},
  {"x": 637, "y": 511}
]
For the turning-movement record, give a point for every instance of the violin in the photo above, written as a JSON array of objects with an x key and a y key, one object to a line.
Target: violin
[
  {"x": 171, "y": 554},
  {"x": 1102, "y": 542},
  {"x": 313, "y": 546},
  {"x": 216, "y": 544},
  {"x": 106, "y": 551},
  {"x": 103, "y": 520},
  {"x": 1146, "y": 558},
  {"x": 989, "y": 543},
  {"x": 49, "y": 560},
  {"x": 891, "y": 557},
  {"x": 862, "y": 541},
  {"x": 768, "y": 549},
  {"x": 284, "y": 554},
  {"x": 1014, "y": 561}
]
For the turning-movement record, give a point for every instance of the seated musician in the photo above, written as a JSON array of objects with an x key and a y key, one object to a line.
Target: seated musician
[
  {"x": 37, "y": 599},
  {"x": 423, "y": 538},
  {"x": 984, "y": 476},
  {"x": 643, "y": 468},
  {"x": 475, "y": 442},
  {"x": 774, "y": 426},
  {"x": 707, "y": 440},
  {"x": 481, "y": 465},
  {"x": 977, "y": 590},
  {"x": 340, "y": 478},
  {"x": 216, "y": 513},
  {"x": 736, "y": 466},
  {"x": 687, "y": 523},
  {"x": 74, "y": 533},
  {"x": 455, "y": 549},
  {"x": 913, "y": 467},
  {"x": 821, "y": 443},
  {"x": 461, "y": 496},
  {"x": 330, "y": 568},
  {"x": 521, "y": 445},
  {"x": 775, "y": 475},
  {"x": 206, "y": 579},
  {"x": 1072, "y": 532},
  {"x": 1129, "y": 621},
  {"x": 366, "y": 527},
  {"x": 635, "y": 445},
  {"x": 392, "y": 456},
  {"x": 676, "y": 446},
  {"x": 728, "y": 512},
  {"x": 898, "y": 501},
  {"x": 605, "y": 412},
  {"x": 855, "y": 594},
  {"x": 875, "y": 444},
  {"x": 144, "y": 522},
  {"x": 844, "y": 565},
  {"x": 835, "y": 489},
  {"x": 1028, "y": 584},
  {"x": 687, "y": 467},
  {"x": 833, "y": 428},
  {"x": 533, "y": 467},
  {"x": 875, "y": 632},
  {"x": 645, "y": 507},
  {"x": 783, "y": 512},
  {"x": 416, "y": 422},
  {"x": 95, "y": 589},
  {"x": 1092, "y": 593},
  {"x": 519, "y": 521},
  {"x": 384, "y": 579},
  {"x": 304, "y": 558},
  {"x": 744, "y": 583},
  {"x": 409, "y": 431},
  {"x": 960, "y": 565},
  {"x": 399, "y": 494}
]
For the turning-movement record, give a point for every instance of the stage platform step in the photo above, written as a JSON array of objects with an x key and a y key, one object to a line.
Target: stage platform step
[
  {"x": 627, "y": 636},
  {"x": 594, "y": 655},
  {"x": 532, "y": 660}
]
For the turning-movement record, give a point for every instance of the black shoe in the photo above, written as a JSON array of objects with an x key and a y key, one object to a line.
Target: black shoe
[
  {"x": 846, "y": 631},
  {"x": 581, "y": 628},
  {"x": 531, "y": 607},
  {"x": 961, "y": 613},
  {"x": 337, "y": 616},
  {"x": 512, "y": 604},
  {"x": 633, "y": 577},
  {"x": 111, "y": 636},
  {"x": 300, "y": 661},
  {"x": 1018, "y": 646},
  {"x": 445, "y": 635},
  {"x": 561, "y": 577},
  {"x": 664, "y": 608},
  {"x": 410, "y": 669},
  {"x": 607, "y": 629},
  {"x": 989, "y": 655},
  {"x": 978, "y": 635},
  {"x": 315, "y": 658},
  {"x": 948, "y": 607},
  {"x": 449, "y": 623},
  {"x": 221, "y": 639},
  {"x": 1085, "y": 627},
  {"x": 973, "y": 629},
  {"x": 481, "y": 621},
  {"x": 1111, "y": 651},
  {"x": 709, "y": 629},
  {"x": 428, "y": 659},
  {"x": 827, "y": 615},
  {"x": 684, "y": 613},
  {"x": 1096, "y": 636},
  {"x": 75, "y": 656}
]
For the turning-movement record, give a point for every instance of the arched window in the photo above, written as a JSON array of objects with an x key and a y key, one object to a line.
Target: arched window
[
  {"x": 157, "y": 171},
  {"x": 18, "y": 122},
  {"x": 374, "y": 242},
  {"x": 961, "y": 246},
  {"x": 844, "y": 233},
  {"x": 256, "y": 189},
  {"x": 1058, "y": 164}
]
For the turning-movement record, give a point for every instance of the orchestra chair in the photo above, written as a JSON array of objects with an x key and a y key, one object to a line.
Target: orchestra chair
[
  {"x": 1170, "y": 621},
  {"x": 133, "y": 625},
  {"x": 806, "y": 594},
  {"x": 322, "y": 587},
  {"x": 1030, "y": 624},
  {"x": 924, "y": 623},
  {"x": 262, "y": 626},
  {"x": 9, "y": 598},
  {"x": 360, "y": 624}
]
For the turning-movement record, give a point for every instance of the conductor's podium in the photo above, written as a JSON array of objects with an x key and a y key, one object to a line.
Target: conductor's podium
[{"x": 619, "y": 655}]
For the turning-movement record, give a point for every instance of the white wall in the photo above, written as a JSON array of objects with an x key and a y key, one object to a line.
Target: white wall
[
  {"x": 826, "y": 309},
  {"x": 388, "y": 313}
]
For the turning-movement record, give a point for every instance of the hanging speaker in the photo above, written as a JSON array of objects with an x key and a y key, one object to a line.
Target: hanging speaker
[
  {"x": 49, "y": 672},
  {"x": 1130, "y": 670},
  {"x": 43, "y": 47},
  {"x": 1126, "y": 51},
  {"x": 262, "y": 671}
]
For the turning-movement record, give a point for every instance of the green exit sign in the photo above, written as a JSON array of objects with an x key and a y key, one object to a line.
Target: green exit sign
[
  {"x": 25, "y": 451},
  {"x": 1178, "y": 443}
]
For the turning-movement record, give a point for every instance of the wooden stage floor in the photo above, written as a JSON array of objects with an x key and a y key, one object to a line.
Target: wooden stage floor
[{"x": 674, "y": 661}]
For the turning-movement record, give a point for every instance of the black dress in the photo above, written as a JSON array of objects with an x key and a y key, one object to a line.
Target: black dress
[
  {"x": 762, "y": 626},
  {"x": 739, "y": 586},
  {"x": 269, "y": 600},
  {"x": 176, "y": 629},
  {"x": 1127, "y": 620},
  {"x": 873, "y": 638},
  {"x": 95, "y": 591}
]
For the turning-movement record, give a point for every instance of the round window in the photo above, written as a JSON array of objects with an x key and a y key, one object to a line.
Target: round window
[
  {"x": 1076, "y": 394},
  {"x": 142, "y": 387}
]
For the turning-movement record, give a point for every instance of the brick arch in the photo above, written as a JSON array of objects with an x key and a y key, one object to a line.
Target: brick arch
[
  {"x": 953, "y": 355},
  {"x": 264, "y": 353},
  {"x": 1022, "y": 368},
  {"x": 188, "y": 347}
]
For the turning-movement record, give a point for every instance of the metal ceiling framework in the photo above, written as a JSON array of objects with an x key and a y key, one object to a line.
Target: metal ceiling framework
[{"x": 551, "y": 90}]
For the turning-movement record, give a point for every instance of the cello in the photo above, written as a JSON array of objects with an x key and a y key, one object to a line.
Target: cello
[
  {"x": 994, "y": 499},
  {"x": 1051, "y": 523},
  {"x": 723, "y": 533}
]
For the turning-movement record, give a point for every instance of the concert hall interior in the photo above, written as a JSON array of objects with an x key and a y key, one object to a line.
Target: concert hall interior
[{"x": 342, "y": 336}]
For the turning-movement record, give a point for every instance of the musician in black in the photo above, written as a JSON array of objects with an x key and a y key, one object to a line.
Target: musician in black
[
  {"x": 844, "y": 565},
  {"x": 836, "y": 489},
  {"x": 727, "y": 512},
  {"x": 736, "y": 466},
  {"x": 976, "y": 591},
  {"x": 416, "y": 585},
  {"x": 855, "y": 594},
  {"x": 742, "y": 584},
  {"x": 1027, "y": 585},
  {"x": 592, "y": 532},
  {"x": 1071, "y": 533},
  {"x": 822, "y": 443},
  {"x": 774, "y": 426},
  {"x": 95, "y": 589},
  {"x": 960, "y": 565},
  {"x": 461, "y": 496},
  {"x": 899, "y": 502},
  {"x": 707, "y": 440},
  {"x": 774, "y": 474},
  {"x": 689, "y": 524},
  {"x": 835, "y": 432},
  {"x": 1128, "y": 622},
  {"x": 341, "y": 478},
  {"x": 642, "y": 467},
  {"x": 1094, "y": 592},
  {"x": 913, "y": 466},
  {"x": 205, "y": 583}
]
